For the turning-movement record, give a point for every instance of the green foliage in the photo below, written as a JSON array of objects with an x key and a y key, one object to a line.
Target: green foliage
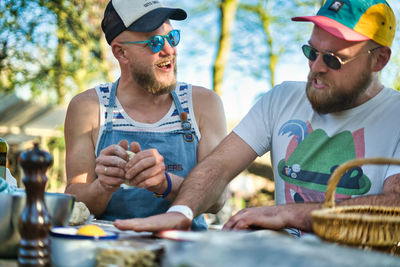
[
  {"x": 51, "y": 47},
  {"x": 55, "y": 48},
  {"x": 56, "y": 143}
]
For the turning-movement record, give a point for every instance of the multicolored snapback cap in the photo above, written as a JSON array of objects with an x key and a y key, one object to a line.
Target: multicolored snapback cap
[{"x": 356, "y": 20}]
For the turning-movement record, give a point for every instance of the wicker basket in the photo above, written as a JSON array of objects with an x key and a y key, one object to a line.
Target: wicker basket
[{"x": 375, "y": 227}]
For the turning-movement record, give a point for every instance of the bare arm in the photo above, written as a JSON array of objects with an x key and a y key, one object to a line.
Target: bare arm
[
  {"x": 207, "y": 181},
  {"x": 146, "y": 168},
  {"x": 299, "y": 215},
  {"x": 202, "y": 187},
  {"x": 211, "y": 120},
  {"x": 81, "y": 129}
]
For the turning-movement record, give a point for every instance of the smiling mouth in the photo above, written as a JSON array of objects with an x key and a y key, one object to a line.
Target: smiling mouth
[
  {"x": 319, "y": 83},
  {"x": 165, "y": 65}
]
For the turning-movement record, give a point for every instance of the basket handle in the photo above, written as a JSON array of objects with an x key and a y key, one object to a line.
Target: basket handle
[{"x": 339, "y": 171}]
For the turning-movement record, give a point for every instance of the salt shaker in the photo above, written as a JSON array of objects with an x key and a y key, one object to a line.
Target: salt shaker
[{"x": 35, "y": 221}]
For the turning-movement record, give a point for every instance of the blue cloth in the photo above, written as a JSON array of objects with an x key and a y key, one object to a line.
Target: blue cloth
[
  {"x": 6, "y": 187},
  {"x": 176, "y": 150}
]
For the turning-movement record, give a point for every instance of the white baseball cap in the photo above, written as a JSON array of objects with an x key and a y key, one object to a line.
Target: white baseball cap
[{"x": 137, "y": 16}]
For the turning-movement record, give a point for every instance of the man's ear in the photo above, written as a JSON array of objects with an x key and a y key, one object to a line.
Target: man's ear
[
  {"x": 382, "y": 56},
  {"x": 119, "y": 52}
]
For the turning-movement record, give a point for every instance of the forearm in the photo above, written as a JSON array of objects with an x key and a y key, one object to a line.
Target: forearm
[
  {"x": 390, "y": 196},
  {"x": 204, "y": 185},
  {"x": 219, "y": 204},
  {"x": 202, "y": 188},
  {"x": 94, "y": 195},
  {"x": 299, "y": 215},
  {"x": 81, "y": 133},
  {"x": 176, "y": 184},
  {"x": 385, "y": 199}
]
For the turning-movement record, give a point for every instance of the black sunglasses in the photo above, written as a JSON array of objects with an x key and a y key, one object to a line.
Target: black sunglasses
[{"x": 330, "y": 59}]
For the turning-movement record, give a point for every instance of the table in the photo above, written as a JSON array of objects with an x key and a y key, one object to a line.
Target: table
[
  {"x": 260, "y": 248},
  {"x": 269, "y": 248},
  {"x": 8, "y": 263}
]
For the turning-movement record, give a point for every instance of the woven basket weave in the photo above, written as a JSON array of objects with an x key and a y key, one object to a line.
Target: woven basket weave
[{"x": 364, "y": 225}]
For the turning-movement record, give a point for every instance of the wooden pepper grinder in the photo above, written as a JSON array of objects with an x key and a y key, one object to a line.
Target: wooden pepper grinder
[{"x": 35, "y": 222}]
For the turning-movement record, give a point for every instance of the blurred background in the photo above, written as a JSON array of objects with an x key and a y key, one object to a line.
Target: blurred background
[{"x": 50, "y": 50}]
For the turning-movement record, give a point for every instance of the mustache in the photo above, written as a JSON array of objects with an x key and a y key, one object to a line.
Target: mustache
[
  {"x": 314, "y": 75},
  {"x": 165, "y": 59},
  {"x": 319, "y": 76}
]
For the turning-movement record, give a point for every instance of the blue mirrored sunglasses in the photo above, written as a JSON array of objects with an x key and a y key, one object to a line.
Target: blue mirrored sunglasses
[{"x": 156, "y": 42}]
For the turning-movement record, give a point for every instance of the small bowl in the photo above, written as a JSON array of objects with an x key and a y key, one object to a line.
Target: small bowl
[
  {"x": 58, "y": 205},
  {"x": 69, "y": 249},
  {"x": 139, "y": 252}
]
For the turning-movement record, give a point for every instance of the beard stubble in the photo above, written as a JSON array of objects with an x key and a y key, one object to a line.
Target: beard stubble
[
  {"x": 337, "y": 98},
  {"x": 144, "y": 76}
]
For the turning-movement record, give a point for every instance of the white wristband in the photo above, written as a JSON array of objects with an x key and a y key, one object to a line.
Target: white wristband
[{"x": 183, "y": 209}]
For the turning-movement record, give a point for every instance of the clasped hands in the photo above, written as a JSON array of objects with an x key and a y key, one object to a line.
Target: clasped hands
[{"x": 145, "y": 170}]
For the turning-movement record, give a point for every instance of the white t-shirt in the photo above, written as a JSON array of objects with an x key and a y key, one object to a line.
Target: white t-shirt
[{"x": 306, "y": 146}]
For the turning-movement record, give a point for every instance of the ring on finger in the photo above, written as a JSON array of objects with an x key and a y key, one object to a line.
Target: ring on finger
[{"x": 105, "y": 170}]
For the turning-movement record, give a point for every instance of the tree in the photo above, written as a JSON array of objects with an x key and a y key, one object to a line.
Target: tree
[
  {"x": 262, "y": 11},
  {"x": 265, "y": 33},
  {"x": 244, "y": 30},
  {"x": 227, "y": 14},
  {"x": 52, "y": 47}
]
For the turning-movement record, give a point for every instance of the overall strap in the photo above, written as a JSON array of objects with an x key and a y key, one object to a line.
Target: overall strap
[
  {"x": 110, "y": 108},
  {"x": 186, "y": 125},
  {"x": 177, "y": 102}
]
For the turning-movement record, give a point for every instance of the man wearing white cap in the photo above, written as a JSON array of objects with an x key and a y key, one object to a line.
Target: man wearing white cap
[
  {"x": 342, "y": 112},
  {"x": 168, "y": 124}
]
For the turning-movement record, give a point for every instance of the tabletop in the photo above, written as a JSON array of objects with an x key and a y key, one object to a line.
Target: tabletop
[
  {"x": 8, "y": 263},
  {"x": 269, "y": 248},
  {"x": 257, "y": 248}
]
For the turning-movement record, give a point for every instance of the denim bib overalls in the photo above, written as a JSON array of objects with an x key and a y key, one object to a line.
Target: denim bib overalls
[{"x": 178, "y": 147}]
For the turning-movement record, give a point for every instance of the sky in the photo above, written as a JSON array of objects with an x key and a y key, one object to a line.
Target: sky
[{"x": 239, "y": 91}]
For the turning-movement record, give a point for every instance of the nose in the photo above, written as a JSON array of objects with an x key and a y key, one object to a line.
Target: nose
[
  {"x": 168, "y": 49},
  {"x": 318, "y": 65}
]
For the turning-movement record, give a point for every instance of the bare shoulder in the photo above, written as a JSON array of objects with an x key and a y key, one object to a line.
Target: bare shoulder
[
  {"x": 205, "y": 100},
  {"x": 204, "y": 94},
  {"x": 209, "y": 112},
  {"x": 88, "y": 97},
  {"x": 210, "y": 117},
  {"x": 83, "y": 110},
  {"x": 86, "y": 102}
]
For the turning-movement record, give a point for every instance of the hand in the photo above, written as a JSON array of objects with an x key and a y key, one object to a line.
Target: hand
[
  {"x": 110, "y": 166},
  {"x": 146, "y": 170},
  {"x": 270, "y": 217},
  {"x": 156, "y": 223}
]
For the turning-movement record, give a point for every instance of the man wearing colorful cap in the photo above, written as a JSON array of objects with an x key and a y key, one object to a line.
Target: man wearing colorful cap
[
  {"x": 342, "y": 112},
  {"x": 169, "y": 125}
]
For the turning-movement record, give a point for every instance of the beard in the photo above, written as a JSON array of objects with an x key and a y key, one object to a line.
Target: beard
[
  {"x": 337, "y": 98},
  {"x": 145, "y": 77}
]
